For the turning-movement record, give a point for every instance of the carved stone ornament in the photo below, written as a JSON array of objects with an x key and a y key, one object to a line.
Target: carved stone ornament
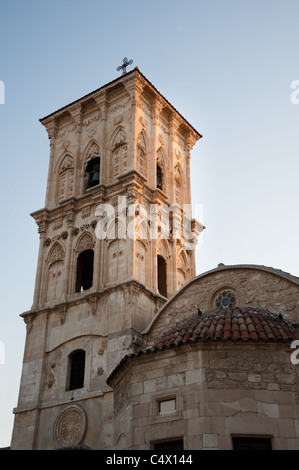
[
  {"x": 119, "y": 139},
  {"x": 67, "y": 162},
  {"x": 86, "y": 243},
  {"x": 57, "y": 254},
  {"x": 70, "y": 427},
  {"x": 141, "y": 142},
  {"x": 94, "y": 151},
  {"x": 29, "y": 323},
  {"x": 143, "y": 122}
]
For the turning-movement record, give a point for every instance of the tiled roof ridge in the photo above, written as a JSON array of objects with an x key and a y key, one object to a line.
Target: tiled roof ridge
[
  {"x": 238, "y": 324},
  {"x": 220, "y": 267},
  {"x": 241, "y": 324}
]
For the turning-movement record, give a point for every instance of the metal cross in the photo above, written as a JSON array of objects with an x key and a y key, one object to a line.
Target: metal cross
[{"x": 125, "y": 64}]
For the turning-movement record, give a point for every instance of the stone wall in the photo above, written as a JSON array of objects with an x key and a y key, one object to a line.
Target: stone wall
[
  {"x": 220, "y": 390},
  {"x": 254, "y": 286}
]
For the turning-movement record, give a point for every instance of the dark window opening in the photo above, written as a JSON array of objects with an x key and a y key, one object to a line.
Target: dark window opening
[
  {"x": 252, "y": 443},
  {"x": 162, "y": 285},
  {"x": 159, "y": 178},
  {"x": 93, "y": 172},
  {"x": 176, "y": 445},
  {"x": 84, "y": 277},
  {"x": 76, "y": 369}
]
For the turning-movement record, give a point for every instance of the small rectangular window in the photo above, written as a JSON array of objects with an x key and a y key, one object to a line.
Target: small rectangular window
[
  {"x": 252, "y": 443},
  {"x": 167, "y": 406},
  {"x": 170, "y": 446}
]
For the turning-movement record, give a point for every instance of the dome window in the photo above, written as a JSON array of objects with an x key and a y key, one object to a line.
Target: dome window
[{"x": 225, "y": 299}]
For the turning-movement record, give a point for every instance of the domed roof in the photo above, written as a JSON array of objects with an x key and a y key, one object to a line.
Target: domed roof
[
  {"x": 238, "y": 324},
  {"x": 222, "y": 325}
]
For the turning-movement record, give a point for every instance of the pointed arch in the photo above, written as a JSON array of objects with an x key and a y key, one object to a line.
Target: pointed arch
[
  {"x": 163, "y": 248},
  {"x": 179, "y": 184},
  {"x": 182, "y": 260},
  {"x": 84, "y": 262},
  {"x": 119, "y": 149},
  {"x": 182, "y": 268},
  {"x": 92, "y": 150},
  {"x": 91, "y": 165},
  {"x": 161, "y": 169},
  {"x": 64, "y": 177},
  {"x": 161, "y": 157},
  {"x": 85, "y": 242},
  {"x": 119, "y": 137},
  {"x": 54, "y": 273},
  {"x": 142, "y": 150},
  {"x": 56, "y": 253}
]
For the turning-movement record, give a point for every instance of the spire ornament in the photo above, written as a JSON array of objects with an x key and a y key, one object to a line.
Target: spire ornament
[{"x": 124, "y": 66}]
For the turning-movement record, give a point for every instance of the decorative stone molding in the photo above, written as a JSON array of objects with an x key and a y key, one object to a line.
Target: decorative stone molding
[
  {"x": 47, "y": 241},
  {"x": 85, "y": 212},
  {"x": 86, "y": 243},
  {"x": 118, "y": 119},
  {"x": 93, "y": 302},
  {"x": 70, "y": 427},
  {"x": 66, "y": 163},
  {"x": 93, "y": 151},
  {"x": 28, "y": 319},
  {"x": 90, "y": 120},
  {"x": 58, "y": 223},
  {"x": 57, "y": 253},
  {"x": 62, "y": 314},
  {"x": 119, "y": 139},
  {"x": 143, "y": 122}
]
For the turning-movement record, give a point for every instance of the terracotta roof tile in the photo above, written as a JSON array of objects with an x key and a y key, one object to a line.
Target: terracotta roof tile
[
  {"x": 236, "y": 325},
  {"x": 239, "y": 324}
]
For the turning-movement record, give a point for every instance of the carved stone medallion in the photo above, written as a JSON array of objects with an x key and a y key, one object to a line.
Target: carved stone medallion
[{"x": 70, "y": 427}]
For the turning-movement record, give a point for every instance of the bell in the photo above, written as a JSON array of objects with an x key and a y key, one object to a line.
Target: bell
[{"x": 95, "y": 179}]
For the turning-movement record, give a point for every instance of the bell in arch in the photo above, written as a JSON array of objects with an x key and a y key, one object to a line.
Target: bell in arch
[
  {"x": 95, "y": 179},
  {"x": 93, "y": 169}
]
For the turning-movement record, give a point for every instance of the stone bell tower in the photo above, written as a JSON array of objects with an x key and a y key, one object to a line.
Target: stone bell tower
[{"x": 116, "y": 154}]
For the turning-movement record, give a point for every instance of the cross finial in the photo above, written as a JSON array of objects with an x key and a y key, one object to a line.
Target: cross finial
[{"x": 125, "y": 64}]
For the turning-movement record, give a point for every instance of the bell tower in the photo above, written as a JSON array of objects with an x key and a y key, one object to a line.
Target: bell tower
[{"x": 112, "y": 250}]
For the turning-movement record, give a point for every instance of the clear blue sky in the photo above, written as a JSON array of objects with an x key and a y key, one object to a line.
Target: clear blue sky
[{"x": 226, "y": 66}]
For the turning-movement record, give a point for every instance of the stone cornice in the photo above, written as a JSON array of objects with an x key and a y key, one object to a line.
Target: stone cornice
[
  {"x": 139, "y": 83},
  {"x": 131, "y": 283}
]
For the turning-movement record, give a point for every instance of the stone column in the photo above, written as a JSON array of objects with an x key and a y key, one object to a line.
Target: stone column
[
  {"x": 42, "y": 229},
  {"x": 52, "y": 129},
  {"x": 70, "y": 217},
  {"x": 77, "y": 116},
  {"x": 105, "y": 169}
]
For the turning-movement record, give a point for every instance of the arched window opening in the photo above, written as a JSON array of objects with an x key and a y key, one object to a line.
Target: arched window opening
[
  {"x": 76, "y": 370},
  {"x": 162, "y": 280},
  {"x": 84, "y": 276},
  {"x": 159, "y": 178},
  {"x": 93, "y": 172},
  {"x": 225, "y": 299}
]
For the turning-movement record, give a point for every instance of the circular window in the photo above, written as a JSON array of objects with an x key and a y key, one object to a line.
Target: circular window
[{"x": 225, "y": 299}]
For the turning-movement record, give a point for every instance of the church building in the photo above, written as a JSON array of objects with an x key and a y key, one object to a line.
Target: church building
[{"x": 126, "y": 348}]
